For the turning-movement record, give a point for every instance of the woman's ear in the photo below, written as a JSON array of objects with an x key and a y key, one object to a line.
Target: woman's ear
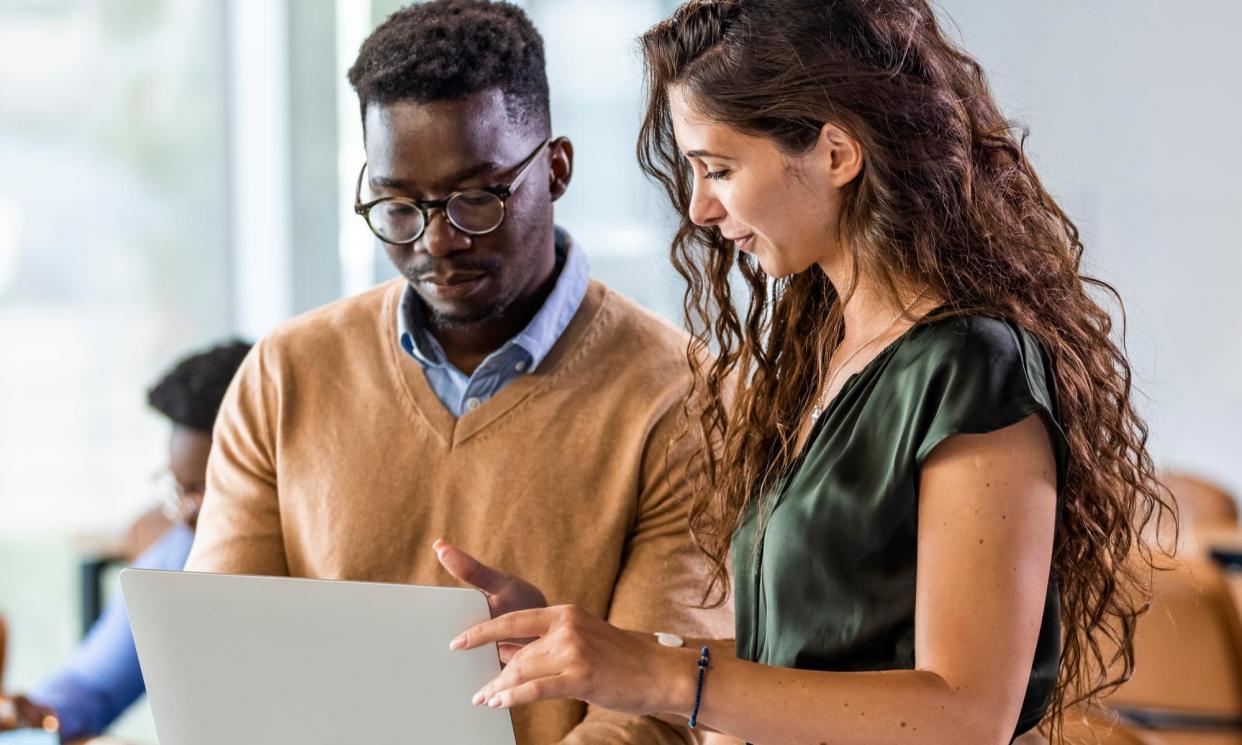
[{"x": 840, "y": 153}]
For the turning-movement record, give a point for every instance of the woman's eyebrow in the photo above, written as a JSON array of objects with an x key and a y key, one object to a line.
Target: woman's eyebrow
[{"x": 706, "y": 154}]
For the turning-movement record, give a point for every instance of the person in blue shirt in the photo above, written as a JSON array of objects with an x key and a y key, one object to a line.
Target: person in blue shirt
[{"x": 101, "y": 679}]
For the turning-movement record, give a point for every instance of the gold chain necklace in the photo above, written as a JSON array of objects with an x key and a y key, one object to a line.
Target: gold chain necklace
[{"x": 822, "y": 402}]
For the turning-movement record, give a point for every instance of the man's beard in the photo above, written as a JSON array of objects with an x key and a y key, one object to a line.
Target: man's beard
[{"x": 490, "y": 314}]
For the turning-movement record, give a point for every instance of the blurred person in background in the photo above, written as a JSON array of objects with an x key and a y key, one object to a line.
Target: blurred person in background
[{"x": 101, "y": 679}]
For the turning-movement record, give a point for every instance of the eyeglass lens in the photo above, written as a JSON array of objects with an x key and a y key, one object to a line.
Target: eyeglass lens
[{"x": 473, "y": 211}]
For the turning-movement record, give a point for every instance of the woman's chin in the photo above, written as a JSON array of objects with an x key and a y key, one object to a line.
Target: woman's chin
[
  {"x": 771, "y": 262},
  {"x": 774, "y": 268},
  {"x": 778, "y": 266}
]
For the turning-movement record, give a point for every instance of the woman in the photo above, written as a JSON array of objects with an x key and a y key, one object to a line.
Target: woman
[{"x": 929, "y": 475}]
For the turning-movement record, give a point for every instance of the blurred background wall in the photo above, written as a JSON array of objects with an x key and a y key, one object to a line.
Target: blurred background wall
[{"x": 176, "y": 171}]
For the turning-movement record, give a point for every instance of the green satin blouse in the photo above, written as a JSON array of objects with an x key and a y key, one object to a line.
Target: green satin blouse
[{"x": 832, "y": 585}]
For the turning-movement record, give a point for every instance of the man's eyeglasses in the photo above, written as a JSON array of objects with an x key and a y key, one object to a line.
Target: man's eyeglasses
[
  {"x": 478, "y": 211},
  {"x": 179, "y": 503}
]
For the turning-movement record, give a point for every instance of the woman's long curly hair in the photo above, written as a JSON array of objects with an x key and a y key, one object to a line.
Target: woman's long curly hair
[{"x": 947, "y": 199}]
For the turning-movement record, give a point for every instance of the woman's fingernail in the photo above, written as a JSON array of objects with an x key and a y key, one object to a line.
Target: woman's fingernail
[
  {"x": 495, "y": 702},
  {"x": 457, "y": 643},
  {"x": 478, "y": 698}
]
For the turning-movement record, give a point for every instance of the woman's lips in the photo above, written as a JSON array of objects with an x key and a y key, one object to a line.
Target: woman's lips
[{"x": 744, "y": 243}]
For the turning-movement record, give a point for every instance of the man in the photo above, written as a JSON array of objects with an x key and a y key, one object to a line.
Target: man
[
  {"x": 493, "y": 396},
  {"x": 102, "y": 678}
]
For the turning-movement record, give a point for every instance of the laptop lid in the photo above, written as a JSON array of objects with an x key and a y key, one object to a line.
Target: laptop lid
[{"x": 275, "y": 660}]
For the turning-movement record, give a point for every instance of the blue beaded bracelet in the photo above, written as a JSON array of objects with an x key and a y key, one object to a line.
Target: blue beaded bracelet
[{"x": 704, "y": 659}]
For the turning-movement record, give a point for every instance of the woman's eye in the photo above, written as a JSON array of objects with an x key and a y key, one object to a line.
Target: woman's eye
[{"x": 716, "y": 175}]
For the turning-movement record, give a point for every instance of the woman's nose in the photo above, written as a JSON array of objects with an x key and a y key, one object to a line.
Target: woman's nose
[{"x": 705, "y": 209}]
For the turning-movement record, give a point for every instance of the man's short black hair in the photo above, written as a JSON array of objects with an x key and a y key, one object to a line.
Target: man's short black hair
[
  {"x": 191, "y": 393},
  {"x": 448, "y": 50}
]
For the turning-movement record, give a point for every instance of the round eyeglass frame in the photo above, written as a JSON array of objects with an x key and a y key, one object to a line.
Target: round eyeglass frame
[{"x": 428, "y": 206}]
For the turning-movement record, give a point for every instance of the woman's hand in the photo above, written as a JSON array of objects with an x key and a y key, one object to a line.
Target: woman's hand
[{"x": 577, "y": 655}]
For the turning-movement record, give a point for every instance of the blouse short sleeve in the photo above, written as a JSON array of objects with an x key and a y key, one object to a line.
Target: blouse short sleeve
[{"x": 985, "y": 375}]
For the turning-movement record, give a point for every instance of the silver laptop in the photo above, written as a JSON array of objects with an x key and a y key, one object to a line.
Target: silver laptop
[{"x": 237, "y": 660}]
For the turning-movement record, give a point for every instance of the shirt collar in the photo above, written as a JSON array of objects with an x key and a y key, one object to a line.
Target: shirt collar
[{"x": 540, "y": 334}]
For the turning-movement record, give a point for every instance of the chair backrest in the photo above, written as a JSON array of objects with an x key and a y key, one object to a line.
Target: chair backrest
[
  {"x": 1188, "y": 646},
  {"x": 1200, "y": 501},
  {"x": 1103, "y": 727}
]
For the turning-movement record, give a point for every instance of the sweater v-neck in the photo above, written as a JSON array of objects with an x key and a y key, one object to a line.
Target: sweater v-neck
[{"x": 416, "y": 396}]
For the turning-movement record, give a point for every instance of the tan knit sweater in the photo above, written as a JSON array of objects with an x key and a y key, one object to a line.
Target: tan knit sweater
[{"x": 333, "y": 458}]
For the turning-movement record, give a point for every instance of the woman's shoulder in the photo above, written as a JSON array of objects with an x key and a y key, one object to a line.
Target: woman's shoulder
[
  {"x": 975, "y": 374},
  {"x": 974, "y": 336},
  {"x": 975, "y": 344}
]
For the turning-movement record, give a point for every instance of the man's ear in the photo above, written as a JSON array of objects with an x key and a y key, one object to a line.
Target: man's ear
[{"x": 562, "y": 167}]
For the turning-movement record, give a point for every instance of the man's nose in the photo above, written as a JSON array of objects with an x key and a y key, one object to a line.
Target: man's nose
[{"x": 440, "y": 238}]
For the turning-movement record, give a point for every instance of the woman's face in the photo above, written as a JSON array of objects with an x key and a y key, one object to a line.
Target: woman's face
[{"x": 782, "y": 209}]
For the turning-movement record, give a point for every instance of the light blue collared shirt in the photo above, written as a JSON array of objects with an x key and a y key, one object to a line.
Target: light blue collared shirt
[{"x": 519, "y": 356}]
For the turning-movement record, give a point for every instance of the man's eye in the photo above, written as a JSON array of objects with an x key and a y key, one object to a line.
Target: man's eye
[{"x": 476, "y": 198}]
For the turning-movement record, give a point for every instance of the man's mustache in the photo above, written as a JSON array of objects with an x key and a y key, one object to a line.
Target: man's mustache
[{"x": 442, "y": 267}]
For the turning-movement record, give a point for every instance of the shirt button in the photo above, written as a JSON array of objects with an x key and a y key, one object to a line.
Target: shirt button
[
  {"x": 521, "y": 366},
  {"x": 472, "y": 403}
]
